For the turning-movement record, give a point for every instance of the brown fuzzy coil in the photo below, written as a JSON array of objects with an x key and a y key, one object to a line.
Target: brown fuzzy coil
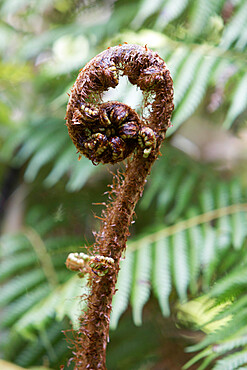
[{"x": 109, "y": 132}]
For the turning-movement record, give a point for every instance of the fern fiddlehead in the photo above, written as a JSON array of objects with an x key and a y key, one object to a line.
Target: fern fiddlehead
[{"x": 108, "y": 133}]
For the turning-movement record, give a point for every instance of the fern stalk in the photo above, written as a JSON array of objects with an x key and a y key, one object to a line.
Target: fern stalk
[{"x": 108, "y": 133}]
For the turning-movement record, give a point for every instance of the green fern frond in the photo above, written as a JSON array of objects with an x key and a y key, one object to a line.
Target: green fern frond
[
  {"x": 10, "y": 266},
  {"x": 231, "y": 283},
  {"x": 207, "y": 226},
  {"x": 161, "y": 279},
  {"x": 208, "y": 253},
  {"x": 183, "y": 196},
  {"x": 238, "y": 103},
  {"x": 61, "y": 166},
  {"x": 233, "y": 328},
  {"x": 207, "y": 361},
  {"x": 206, "y": 198},
  {"x": 36, "y": 138},
  {"x": 146, "y": 10},
  {"x": 232, "y": 361},
  {"x": 231, "y": 344},
  {"x": 242, "y": 41},
  {"x": 40, "y": 149},
  {"x": 185, "y": 77},
  {"x": 168, "y": 193},
  {"x": 16, "y": 309},
  {"x": 141, "y": 281},
  {"x": 70, "y": 300},
  {"x": 195, "y": 240},
  {"x": 235, "y": 27},
  {"x": 13, "y": 244},
  {"x": 80, "y": 173},
  {"x": 238, "y": 220},
  {"x": 237, "y": 305},
  {"x": 22, "y": 294},
  {"x": 201, "y": 15},
  {"x": 16, "y": 287},
  {"x": 223, "y": 223},
  {"x": 50, "y": 149},
  {"x": 176, "y": 59},
  {"x": 35, "y": 350},
  {"x": 205, "y": 353},
  {"x": 164, "y": 184},
  {"x": 195, "y": 93},
  {"x": 180, "y": 264},
  {"x": 172, "y": 10},
  {"x": 65, "y": 300},
  {"x": 121, "y": 298}
]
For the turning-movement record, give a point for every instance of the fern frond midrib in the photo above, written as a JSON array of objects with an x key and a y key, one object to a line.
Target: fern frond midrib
[{"x": 188, "y": 223}]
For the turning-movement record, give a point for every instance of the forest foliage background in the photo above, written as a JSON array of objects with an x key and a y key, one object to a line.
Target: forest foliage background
[{"x": 181, "y": 298}]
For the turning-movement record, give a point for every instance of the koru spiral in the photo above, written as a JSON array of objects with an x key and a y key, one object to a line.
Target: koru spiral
[{"x": 108, "y": 132}]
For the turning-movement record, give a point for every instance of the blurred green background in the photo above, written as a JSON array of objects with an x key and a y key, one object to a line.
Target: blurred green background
[{"x": 182, "y": 286}]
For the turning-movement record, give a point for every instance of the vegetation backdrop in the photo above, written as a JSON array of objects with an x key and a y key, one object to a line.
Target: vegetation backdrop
[{"x": 181, "y": 298}]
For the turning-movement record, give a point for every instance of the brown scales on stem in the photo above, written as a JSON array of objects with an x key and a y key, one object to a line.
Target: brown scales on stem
[{"x": 108, "y": 133}]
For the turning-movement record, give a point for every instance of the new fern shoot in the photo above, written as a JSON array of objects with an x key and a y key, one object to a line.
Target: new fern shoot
[{"x": 109, "y": 133}]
